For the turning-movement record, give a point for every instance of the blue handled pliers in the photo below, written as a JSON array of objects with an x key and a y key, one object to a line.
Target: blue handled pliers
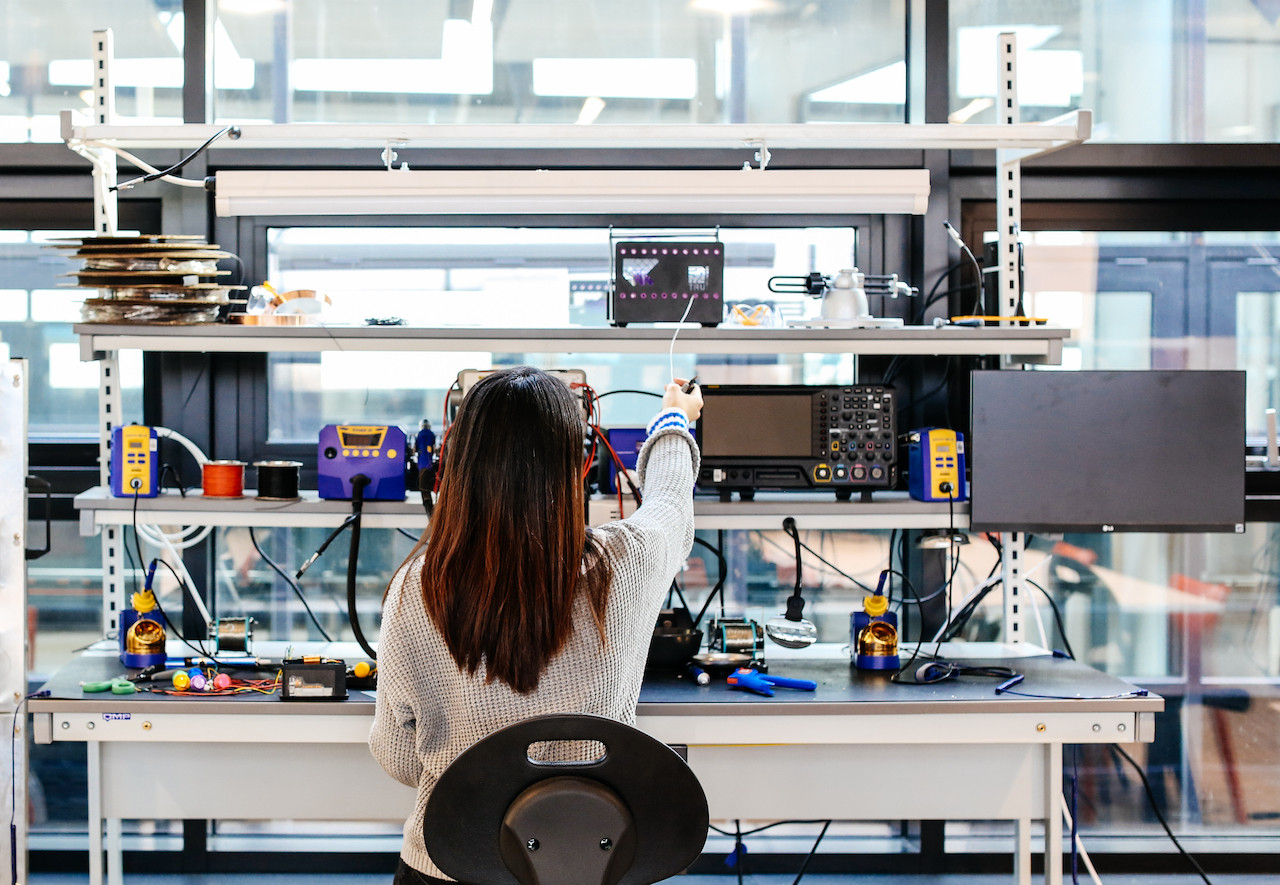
[{"x": 752, "y": 680}]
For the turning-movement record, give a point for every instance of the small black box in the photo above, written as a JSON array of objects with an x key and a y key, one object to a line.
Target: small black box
[
  {"x": 303, "y": 680},
  {"x": 654, "y": 281}
]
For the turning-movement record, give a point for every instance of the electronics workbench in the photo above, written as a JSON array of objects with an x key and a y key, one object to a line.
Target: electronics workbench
[{"x": 857, "y": 748}]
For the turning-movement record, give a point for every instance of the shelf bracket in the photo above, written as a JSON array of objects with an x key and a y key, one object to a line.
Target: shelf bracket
[{"x": 761, "y": 156}]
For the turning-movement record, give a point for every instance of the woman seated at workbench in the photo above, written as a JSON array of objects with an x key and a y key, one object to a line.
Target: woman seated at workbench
[{"x": 510, "y": 607}]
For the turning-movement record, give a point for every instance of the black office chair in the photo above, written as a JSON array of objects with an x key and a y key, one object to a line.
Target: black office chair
[{"x": 632, "y": 817}]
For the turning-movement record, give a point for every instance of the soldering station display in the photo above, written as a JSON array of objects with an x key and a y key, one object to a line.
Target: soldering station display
[
  {"x": 135, "y": 462},
  {"x": 935, "y": 465},
  {"x": 377, "y": 451},
  {"x": 797, "y": 437}
]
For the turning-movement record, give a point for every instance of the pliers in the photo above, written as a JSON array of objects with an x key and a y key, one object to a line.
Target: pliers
[{"x": 751, "y": 680}]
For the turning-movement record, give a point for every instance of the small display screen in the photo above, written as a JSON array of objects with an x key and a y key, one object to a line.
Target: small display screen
[
  {"x": 756, "y": 425},
  {"x": 361, "y": 439}
]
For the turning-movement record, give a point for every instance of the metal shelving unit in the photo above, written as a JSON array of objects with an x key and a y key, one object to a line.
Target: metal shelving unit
[{"x": 101, "y": 138}]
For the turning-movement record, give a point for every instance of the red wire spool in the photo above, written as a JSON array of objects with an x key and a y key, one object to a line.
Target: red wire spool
[{"x": 223, "y": 479}]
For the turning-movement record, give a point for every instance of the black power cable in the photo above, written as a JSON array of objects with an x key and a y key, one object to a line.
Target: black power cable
[
  {"x": 358, "y": 482},
  {"x": 293, "y": 585},
  {"x": 232, "y": 131},
  {"x": 722, "y": 566},
  {"x": 1155, "y": 808}
]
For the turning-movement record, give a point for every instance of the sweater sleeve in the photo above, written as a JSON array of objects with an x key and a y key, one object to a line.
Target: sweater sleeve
[{"x": 393, "y": 739}]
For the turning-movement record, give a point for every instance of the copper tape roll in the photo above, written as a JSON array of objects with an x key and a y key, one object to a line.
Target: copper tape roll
[{"x": 223, "y": 479}]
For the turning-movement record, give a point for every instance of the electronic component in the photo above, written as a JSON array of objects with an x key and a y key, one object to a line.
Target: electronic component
[
  {"x": 313, "y": 679},
  {"x": 627, "y": 442},
  {"x": 574, "y": 379},
  {"x": 844, "y": 298},
  {"x": 375, "y": 450},
  {"x": 797, "y": 437},
  {"x": 135, "y": 462},
  {"x": 737, "y": 636},
  {"x": 935, "y": 465},
  {"x": 654, "y": 281}
]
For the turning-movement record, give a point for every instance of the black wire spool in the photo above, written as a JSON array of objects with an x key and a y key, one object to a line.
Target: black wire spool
[{"x": 277, "y": 480}]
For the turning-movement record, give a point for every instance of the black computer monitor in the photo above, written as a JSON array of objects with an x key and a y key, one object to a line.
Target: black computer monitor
[{"x": 1100, "y": 451}]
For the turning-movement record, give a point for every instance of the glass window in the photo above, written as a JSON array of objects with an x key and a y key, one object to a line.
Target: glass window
[
  {"x": 531, "y": 61},
  {"x": 506, "y": 278},
  {"x": 37, "y": 311},
  {"x": 1191, "y": 616},
  {"x": 1152, "y": 71},
  {"x": 45, "y": 69}
]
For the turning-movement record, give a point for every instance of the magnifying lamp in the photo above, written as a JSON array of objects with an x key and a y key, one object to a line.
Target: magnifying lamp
[{"x": 792, "y": 629}]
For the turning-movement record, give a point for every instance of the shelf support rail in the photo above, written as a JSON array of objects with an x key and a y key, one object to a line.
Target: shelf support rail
[
  {"x": 1008, "y": 182},
  {"x": 1012, "y": 563},
  {"x": 103, "y": 162},
  {"x": 106, "y": 219}
]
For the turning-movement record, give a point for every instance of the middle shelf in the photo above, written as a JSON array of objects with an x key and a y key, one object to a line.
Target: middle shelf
[{"x": 811, "y": 510}]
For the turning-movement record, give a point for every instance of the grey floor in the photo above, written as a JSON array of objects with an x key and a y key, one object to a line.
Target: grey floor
[{"x": 312, "y": 879}]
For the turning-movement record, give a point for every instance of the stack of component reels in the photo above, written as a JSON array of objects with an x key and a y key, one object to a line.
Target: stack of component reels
[{"x": 152, "y": 278}]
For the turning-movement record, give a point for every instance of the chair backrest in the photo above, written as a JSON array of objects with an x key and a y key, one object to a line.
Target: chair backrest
[{"x": 633, "y": 816}]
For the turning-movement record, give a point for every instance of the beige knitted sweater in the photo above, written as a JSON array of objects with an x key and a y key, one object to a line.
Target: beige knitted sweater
[{"x": 428, "y": 711}]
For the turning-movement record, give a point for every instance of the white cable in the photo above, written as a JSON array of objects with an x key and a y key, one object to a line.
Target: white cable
[
  {"x": 995, "y": 579},
  {"x": 671, "y": 352},
  {"x": 195, "y": 450},
  {"x": 191, "y": 585},
  {"x": 180, "y": 540},
  {"x": 143, "y": 165},
  {"x": 1084, "y": 855},
  {"x": 1035, "y": 610},
  {"x": 1035, "y": 607},
  {"x": 190, "y": 535}
]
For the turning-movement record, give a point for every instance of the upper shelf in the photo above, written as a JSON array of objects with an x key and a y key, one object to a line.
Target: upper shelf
[
  {"x": 1020, "y": 344},
  {"x": 1034, "y": 138}
]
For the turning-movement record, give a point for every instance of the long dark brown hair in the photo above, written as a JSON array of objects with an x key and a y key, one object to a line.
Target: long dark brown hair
[{"x": 507, "y": 550}]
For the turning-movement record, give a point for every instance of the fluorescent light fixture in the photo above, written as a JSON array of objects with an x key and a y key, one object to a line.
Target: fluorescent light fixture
[
  {"x": 464, "y": 68},
  {"x": 572, "y": 192},
  {"x": 886, "y": 85},
  {"x": 672, "y": 78}
]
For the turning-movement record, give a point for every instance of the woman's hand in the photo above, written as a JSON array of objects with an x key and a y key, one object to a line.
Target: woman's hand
[{"x": 690, "y": 403}]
